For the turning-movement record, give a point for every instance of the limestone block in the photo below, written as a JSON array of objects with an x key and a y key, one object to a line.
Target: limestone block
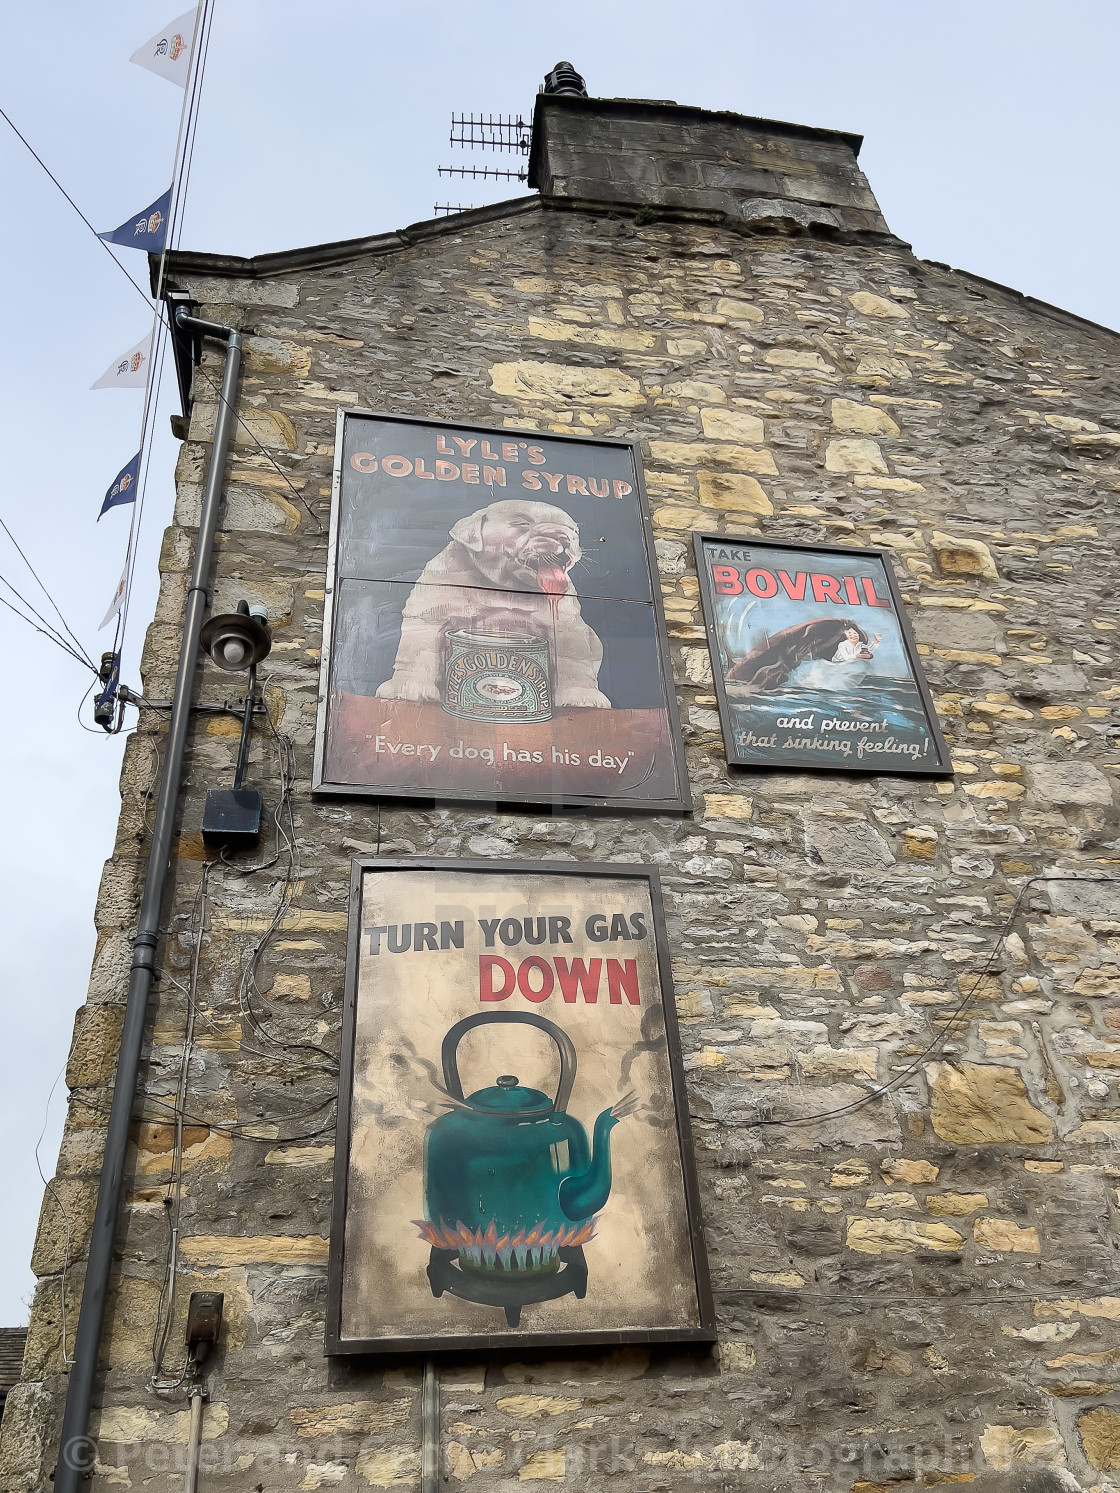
[
  {"x": 736, "y": 310},
  {"x": 1031, "y": 1446},
  {"x": 868, "y": 304},
  {"x": 124, "y": 1423},
  {"x": 694, "y": 391},
  {"x": 919, "y": 843},
  {"x": 544, "y": 1467},
  {"x": 365, "y": 1417},
  {"x": 628, "y": 338},
  {"x": 589, "y": 386},
  {"x": 876, "y": 1123},
  {"x": 726, "y": 806},
  {"x": 529, "y": 1406},
  {"x": 697, "y": 665},
  {"x": 733, "y": 493},
  {"x": 955, "y": 1204},
  {"x": 238, "y": 1249},
  {"x": 118, "y": 898},
  {"x": 793, "y": 357},
  {"x": 978, "y": 1103},
  {"x": 274, "y": 355},
  {"x": 880, "y": 367},
  {"x": 846, "y": 843},
  {"x": 65, "y": 1219},
  {"x": 262, "y": 507},
  {"x": 270, "y": 428},
  {"x": 1002, "y": 1234},
  {"x": 680, "y": 454},
  {"x": 964, "y": 632},
  {"x": 961, "y": 556},
  {"x": 29, "y": 1420},
  {"x": 215, "y": 291},
  {"x": 388, "y": 1469},
  {"x": 465, "y": 1461},
  {"x": 733, "y": 425},
  {"x": 677, "y": 516},
  {"x": 1100, "y": 1438},
  {"x": 1069, "y": 783},
  {"x": 862, "y": 419},
  {"x": 899, "y": 1236},
  {"x": 686, "y": 347},
  {"x": 853, "y": 454},
  {"x": 93, "y": 1051},
  {"x": 277, "y": 597},
  {"x": 1086, "y": 899},
  {"x": 881, "y": 1358},
  {"x": 877, "y": 1201},
  {"x": 839, "y": 1062},
  {"x": 915, "y": 1173},
  {"x": 1095, "y": 1133},
  {"x": 155, "y": 1146}
]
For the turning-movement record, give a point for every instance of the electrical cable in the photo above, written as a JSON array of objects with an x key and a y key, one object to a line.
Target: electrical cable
[
  {"x": 47, "y": 633},
  {"x": 159, "y": 312},
  {"x": 173, "y": 1199},
  {"x": 943, "y": 1036},
  {"x": 267, "y": 454},
  {"x": 66, "y": 626},
  {"x": 38, "y": 158}
]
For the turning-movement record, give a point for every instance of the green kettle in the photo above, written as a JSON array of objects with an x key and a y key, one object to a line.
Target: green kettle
[{"x": 509, "y": 1176}]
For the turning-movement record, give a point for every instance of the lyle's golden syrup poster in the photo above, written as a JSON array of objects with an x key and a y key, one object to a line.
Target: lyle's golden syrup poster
[
  {"x": 813, "y": 661},
  {"x": 492, "y": 624},
  {"x": 514, "y": 1160}
]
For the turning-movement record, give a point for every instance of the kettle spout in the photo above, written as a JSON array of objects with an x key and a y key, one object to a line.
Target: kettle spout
[{"x": 584, "y": 1194}]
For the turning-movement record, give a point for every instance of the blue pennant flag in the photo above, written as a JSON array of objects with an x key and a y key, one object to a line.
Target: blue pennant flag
[
  {"x": 123, "y": 489},
  {"x": 147, "y": 230}
]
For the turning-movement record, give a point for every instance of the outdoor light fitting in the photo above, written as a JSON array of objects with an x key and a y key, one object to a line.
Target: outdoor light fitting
[{"x": 237, "y": 640}]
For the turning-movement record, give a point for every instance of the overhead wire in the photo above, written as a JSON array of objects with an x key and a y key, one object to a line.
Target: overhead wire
[
  {"x": 35, "y": 155},
  {"x": 949, "y": 1021},
  {"x": 46, "y": 629},
  {"x": 183, "y": 157},
  {"x": 38, "y": 581}
]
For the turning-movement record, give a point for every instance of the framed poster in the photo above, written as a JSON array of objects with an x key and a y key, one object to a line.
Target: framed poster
[
  {"x": 813, "y": 660},
  {"x": 514, "y": 1161},
  {"x": 493, "y": 626}
]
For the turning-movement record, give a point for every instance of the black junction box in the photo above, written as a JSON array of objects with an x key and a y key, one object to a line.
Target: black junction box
[{"x": 232, "y": 817}]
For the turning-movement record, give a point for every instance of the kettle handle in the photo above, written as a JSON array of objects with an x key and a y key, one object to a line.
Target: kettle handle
[{"x": 449, "y": 1051}]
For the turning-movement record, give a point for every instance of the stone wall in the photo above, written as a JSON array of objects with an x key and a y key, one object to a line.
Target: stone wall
[{"x": 920, "y": 1290}]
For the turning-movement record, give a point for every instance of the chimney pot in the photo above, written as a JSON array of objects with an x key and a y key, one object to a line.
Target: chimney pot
[{"x": 564, "y": 79}]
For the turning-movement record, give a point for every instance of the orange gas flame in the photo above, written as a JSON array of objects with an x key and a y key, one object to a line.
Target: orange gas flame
[{"x": 487, "y": 1244}]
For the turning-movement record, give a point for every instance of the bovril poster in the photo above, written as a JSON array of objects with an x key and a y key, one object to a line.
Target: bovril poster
[
  {"x": 515, "y": 1159},
  {"x": 492, "y": 627},
  {"x": 813, "y": 662}
]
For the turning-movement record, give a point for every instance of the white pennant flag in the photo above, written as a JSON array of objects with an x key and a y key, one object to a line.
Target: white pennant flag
[
  {"x": 118, "y": 598},
  {"x": 130, "y": 370},
  {"x": 169, "y": 51}
]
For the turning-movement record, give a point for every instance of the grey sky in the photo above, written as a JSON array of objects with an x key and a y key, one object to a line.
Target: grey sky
[{"x": 990, "y": 141}]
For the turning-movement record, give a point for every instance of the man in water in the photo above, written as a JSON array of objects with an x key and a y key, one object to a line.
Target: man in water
[{"x": 851, "y": 648}]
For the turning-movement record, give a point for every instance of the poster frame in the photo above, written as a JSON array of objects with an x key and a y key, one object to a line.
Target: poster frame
[
  {"x": 337, "y": 1346},
  {"x": 681, "y": 803},
  {"x": 943, "y": 767}
]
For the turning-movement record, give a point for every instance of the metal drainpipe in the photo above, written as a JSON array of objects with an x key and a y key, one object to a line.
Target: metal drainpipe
[
  {"x": 77, "y": 1453},
  {"x": 429, "y": 1423}
]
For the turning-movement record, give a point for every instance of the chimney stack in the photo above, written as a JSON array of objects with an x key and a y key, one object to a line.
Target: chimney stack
[{"x": 760, "y": 174}]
